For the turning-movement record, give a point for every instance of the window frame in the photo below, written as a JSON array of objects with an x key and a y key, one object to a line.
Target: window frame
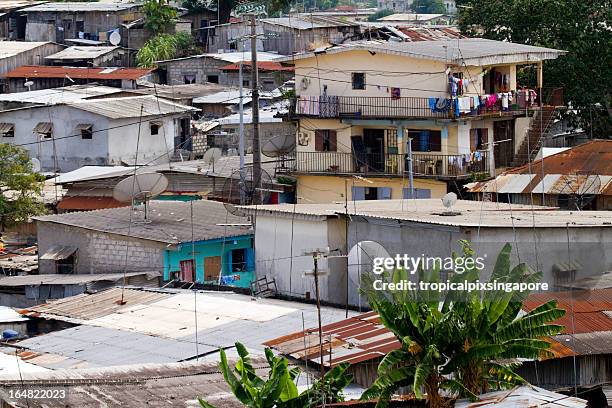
[{"x": 355, "y": 83}]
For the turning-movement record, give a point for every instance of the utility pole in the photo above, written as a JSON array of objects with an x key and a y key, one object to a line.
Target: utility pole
[
  {"x": 255, "y": 107},
  {"x": 410, "y": 173},
  {"x": 241, "y": 133},
  {"x": 316, "y": 254}
]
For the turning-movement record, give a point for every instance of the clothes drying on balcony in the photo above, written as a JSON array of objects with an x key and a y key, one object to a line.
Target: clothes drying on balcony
[
  {"x": 309, "y": 105},
  {"x": 439, "y": 105},
  {"x": 328, "y": 106}
]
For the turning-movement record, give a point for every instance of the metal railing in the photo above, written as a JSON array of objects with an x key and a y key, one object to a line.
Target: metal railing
[{"x": 380, "y": 164}]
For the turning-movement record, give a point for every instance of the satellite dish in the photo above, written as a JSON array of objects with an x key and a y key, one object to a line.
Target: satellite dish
[
  {"x": 35, "y": 165},
  {"x": 28, "y": 84},
  {"x": 140, "y": 187},
  {"x": 114, "y": 38},
  {"x": 211, "y": 156},
  {"x": 448, "y": 201},
  {"x": 244, "y": 189},
  {"x": 279, "y": 145}
]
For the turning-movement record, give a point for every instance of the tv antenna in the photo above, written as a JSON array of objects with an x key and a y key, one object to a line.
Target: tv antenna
[
  {"x": 237, "y": 190},
  {"x": 583, "y": 189},
  {"x": 211, "y": 156},
  {"x": 140, "y": 188}
]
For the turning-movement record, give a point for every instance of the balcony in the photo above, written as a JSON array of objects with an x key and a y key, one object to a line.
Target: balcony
[
  {"x": 384, "y": 107},
  {"x": 429, "y": 165}
]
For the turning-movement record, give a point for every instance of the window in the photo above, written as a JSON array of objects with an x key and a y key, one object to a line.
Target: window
[
  {"x": 239, "y": 260},
  {"x": 371, "y": 193},
  {"x": 268, "y": 82},
  {"x": 213, "y": 79},
  {"x": 325, "y": 140},
  {"x": 80, "y": 26},
  {"x": 424, "y": 140},
  {"x": 189, "y": 79},
  {"x": 86, "y": 131},
  {"x": 7, "y": 130},
  {"x": 44, "y": 129},
  {"x": 358, "y": 79},
  {"x": 155, "y": 128},
  {"x": 246, "y": 83},
  {"x": 478, "y": 139},
  {"x": 418, "y": 193}
]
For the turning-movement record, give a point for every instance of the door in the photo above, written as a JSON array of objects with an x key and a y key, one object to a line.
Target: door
[
  {"x": 187, "y": 270},
  {"x": 503, "y": 136},
  {"x": 212, "y": 268},
  {"x": 374, "y": 141}
]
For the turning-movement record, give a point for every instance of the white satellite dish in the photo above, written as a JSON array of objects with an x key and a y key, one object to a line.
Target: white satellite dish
[
  {"x": 35, "y": 165},
  {"x": 114, "y": 38},
  {"x": 140, "y": 187},
  {"x": 211, "y": 156},
  {"x": 448, "y": 201},
  {"x": 279, "y": 145},
  {"x": 28, "y": 84}
]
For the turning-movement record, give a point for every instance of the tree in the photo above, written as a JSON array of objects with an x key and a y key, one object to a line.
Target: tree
[
  {"x": 279, "y": 389},
  {"x": 455, "y": 342},
  {"x": 272, "y": 7},
  {"x": 159, "y": 15},
  {"x": 20, "y": 187},
  {"x": 428, "y": 7},
  {"x": 163, "y": 47},
  {"x": 582, "y": 28},
  {"x": 380, "y": 14}
]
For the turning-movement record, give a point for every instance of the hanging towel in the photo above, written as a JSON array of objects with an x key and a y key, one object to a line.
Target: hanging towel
[{"x": 432, "y": 104}]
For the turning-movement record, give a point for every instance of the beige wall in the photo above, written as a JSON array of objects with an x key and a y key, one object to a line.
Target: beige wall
[
  {"x": 416, "y": 77},
  {"x": 329, "y": 189}
]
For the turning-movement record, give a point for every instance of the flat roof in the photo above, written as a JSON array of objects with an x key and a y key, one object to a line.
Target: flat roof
[
  {"x": 132, "y": 107},
  {"x": 60, "y": 279},
  {"x": 463, "y": 51},
  {"x": 232, "y": 57},
  {"x": 170, "y": 222},
  {"x": 54, "y": 96},
  {"x": 431, "y": 211}
]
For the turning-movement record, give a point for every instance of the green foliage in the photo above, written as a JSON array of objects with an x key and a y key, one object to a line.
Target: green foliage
[
  {"x": 273, "y": 7},
  {"x": 455, "y": 341},
  {"x": 159, "y": 15},
  {"x": 582, "y": 28},
  {"x": 428, "y": 7},
  {"x": 164, "y": 46},
  {"x": 380, "y": 14},
  {"x": 20, "y": 187},
  {"x": 279, "y": 389},
  {"x": 195, "y": 6}
]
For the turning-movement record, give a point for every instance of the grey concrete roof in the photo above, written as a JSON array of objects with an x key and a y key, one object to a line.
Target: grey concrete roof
[
  {"x": 170, "y": 221},
  {"x": 468, "y": 51},
  {"x": 60, "y": 279},
  {"x": 431, "y": 211},
  {"x": 81, "y": 52},
  {"x": 81, "y": 6},
  {"x": 130, "y": 107}
]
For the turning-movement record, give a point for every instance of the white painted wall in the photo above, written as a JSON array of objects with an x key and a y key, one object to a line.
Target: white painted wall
[{"x": 106, "y": 147}]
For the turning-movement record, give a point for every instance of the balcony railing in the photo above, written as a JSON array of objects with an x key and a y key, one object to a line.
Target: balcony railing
[
  {"x": 379, "y": 164},
  {"x": 329, "y": 106}
]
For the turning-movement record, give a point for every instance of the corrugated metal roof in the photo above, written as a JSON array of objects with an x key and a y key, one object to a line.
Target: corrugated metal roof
[
  {"x": 12, "y": 48},
  {"x": 82, "y": 203},
  {"x": 431, "y": 211},
  {"x": 308, "y": 22},
  {"x": 81, "y": 6},
  {"x": 261, "y": 66},
  {"x": 167, "y": 384},
  {"x": 91, "y": 306},
  {"x": 61, "y": 279},
  {"x": 131, "y": 107},
  {"x": 170, "y": 221},
  {"x": 411, "y": 17},
  {"x": 363, "y": 337},
  {"x": 80, "y": 52},
  {"x": 43, "y": 71},
  {"x": 58, "y": 252},
  {"x": 463, "y": 51},
  {"x": 9, "y": 315},
  {"x": 59, "y": 95},
  {"x": 526, "y": 396},
  {"x": 430, "y": 33}
]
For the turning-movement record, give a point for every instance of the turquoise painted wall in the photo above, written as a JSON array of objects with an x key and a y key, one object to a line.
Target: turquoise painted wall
[{"x": 215, "y": 247}]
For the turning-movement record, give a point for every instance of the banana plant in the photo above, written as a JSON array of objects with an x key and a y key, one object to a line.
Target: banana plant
[
  {"x": 458, "y": 342},
  {"x": 279, "y": 389}
]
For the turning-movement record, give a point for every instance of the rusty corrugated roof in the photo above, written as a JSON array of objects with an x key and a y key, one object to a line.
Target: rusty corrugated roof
[
  {"x": 42, "y": 71},
  {"x": 88, "y": 203},
  {"x": 362, "y": 338}
]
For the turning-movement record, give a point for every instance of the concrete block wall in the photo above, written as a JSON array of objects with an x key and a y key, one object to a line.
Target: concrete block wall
[{"x": 99, "y": 252}]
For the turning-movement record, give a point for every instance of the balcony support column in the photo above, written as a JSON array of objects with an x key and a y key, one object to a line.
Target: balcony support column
[{"x": 400, "y": 138}]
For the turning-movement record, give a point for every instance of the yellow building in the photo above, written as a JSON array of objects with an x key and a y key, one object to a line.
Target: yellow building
[{"x": 456, "y": 102}]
